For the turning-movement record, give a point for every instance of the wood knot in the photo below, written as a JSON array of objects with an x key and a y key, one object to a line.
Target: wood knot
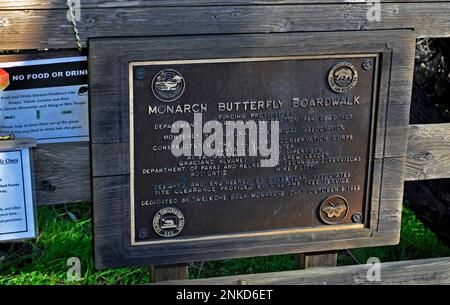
[
  {"x": 425, "y": 156},
  {"x": 4, "y": 21},
  {"x": 90, "y": 22},
  {"x": 122, "y": 14}
]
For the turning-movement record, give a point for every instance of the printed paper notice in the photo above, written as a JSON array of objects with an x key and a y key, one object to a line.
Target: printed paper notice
[
  {"x": 45, "y": 99},
  {"x": 16, "y": 199}
]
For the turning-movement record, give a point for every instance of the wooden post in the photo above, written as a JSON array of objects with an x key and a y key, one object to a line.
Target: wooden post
[
  {"x": 160, "y": 273},
  {"x": 317, "y": 259}
]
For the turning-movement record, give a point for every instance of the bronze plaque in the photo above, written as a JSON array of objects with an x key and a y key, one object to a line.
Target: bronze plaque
[{"x": 324, "y": 108}]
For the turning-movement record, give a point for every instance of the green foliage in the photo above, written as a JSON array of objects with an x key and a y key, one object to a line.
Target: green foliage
[{"x": 65, "y": 231}]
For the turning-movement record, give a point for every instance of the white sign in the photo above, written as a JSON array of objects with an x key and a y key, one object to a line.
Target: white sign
[
  {"x": 45, "y": 99},
  {"x": 16, "y": 197}
]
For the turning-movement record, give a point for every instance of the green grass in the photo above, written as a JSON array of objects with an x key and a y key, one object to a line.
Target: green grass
[
  {"x": 62, "y": 234},
  {"x": 65, "y": 232}
]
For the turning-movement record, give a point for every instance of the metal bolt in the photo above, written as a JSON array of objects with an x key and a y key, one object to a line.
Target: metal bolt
[
  {"x": 367, "y": 64},
  {"x": 143, "y": 233},
  {"x": 357, "y": 217},
  {"x": 48, "y": 186},
  {"x": 140, "y": 74}
]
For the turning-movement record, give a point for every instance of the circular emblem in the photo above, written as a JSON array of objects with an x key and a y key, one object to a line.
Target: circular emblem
[
  {"x": 342, "y": 77},
  {"x": 333, "y": 210},
  {"x": 168, "y": 85},
  {"x": 168, "y": 222}
]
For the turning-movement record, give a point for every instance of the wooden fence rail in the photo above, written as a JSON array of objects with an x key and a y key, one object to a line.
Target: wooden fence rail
[
  {"x": 58, "y": 4},
  {"x": 434, "y": 271},
  {"x": 428, "y": 152},
  {"x": 63, "y": 172},
  {"x": 44, "y": 24}
]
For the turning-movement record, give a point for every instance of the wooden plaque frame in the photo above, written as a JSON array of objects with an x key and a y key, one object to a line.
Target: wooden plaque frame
[{"x": 109, "y": 60}]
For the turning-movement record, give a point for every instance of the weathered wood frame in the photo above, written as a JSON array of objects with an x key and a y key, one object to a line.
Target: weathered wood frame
[{"x": 110, "y": 140}]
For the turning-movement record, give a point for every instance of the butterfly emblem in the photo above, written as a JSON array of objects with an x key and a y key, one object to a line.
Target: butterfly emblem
[{"x": 334, "y": 209}]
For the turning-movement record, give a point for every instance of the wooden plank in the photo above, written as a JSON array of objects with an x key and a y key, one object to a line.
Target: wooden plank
[
  {"x": 49, "y": 28},
  {"x": 427, "y": 272},
  {"x": 62, "y": 173},
  {"x": 399, "y": 99},
  {"x": 169, "y": 272},
  {"x": 428, "y": 152},
  {"x": 16, "y": 144},
  {"x": 57, "y": 4}
]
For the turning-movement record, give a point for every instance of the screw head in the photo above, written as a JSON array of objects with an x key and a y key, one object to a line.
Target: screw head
[
  {"x": 140, "y": 74},
  {"x": 143, "y": 233},
  {"x": 367, "y": 64},
  {"x": 48, "y": 186},
  {"x": 357, "y": 217}
]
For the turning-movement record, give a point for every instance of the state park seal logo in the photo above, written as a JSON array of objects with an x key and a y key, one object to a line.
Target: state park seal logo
[
  {"x": 168, "y": 85},
  {"x": 342, "y": 77},
  {"x": 168, "y": 222}
]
